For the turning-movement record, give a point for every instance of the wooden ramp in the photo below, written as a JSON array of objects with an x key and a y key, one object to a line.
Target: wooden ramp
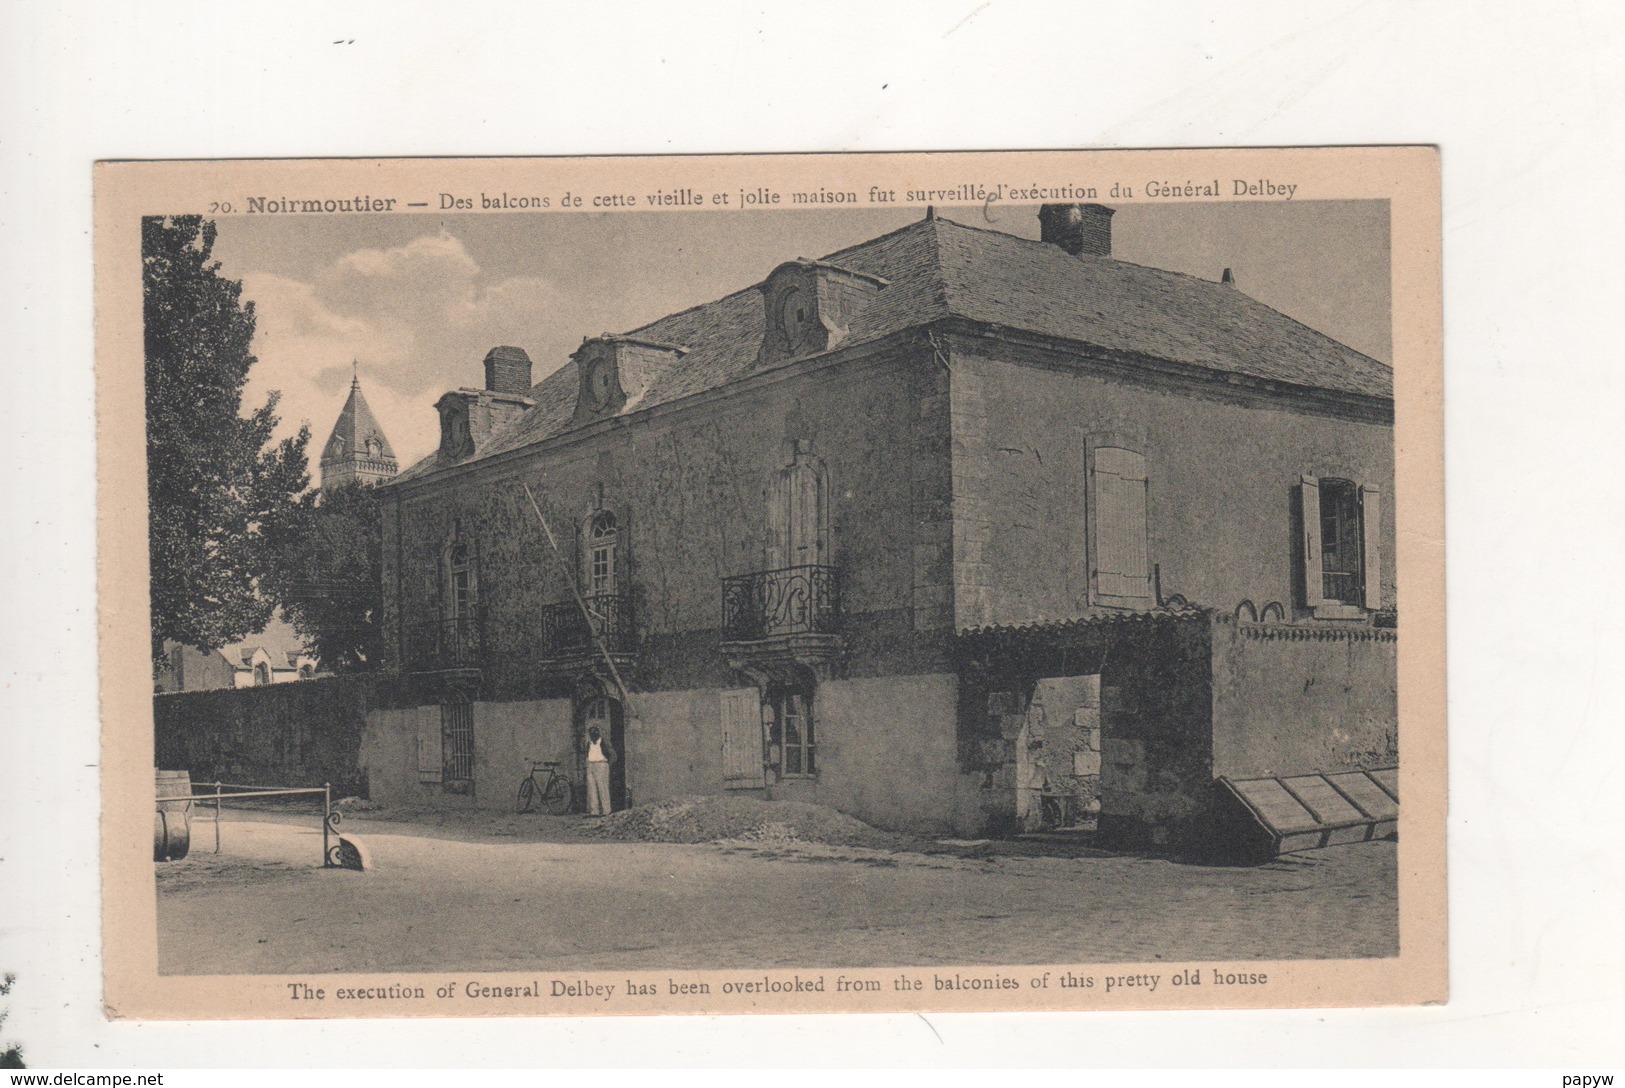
[{"x": 1309, "y": 811}]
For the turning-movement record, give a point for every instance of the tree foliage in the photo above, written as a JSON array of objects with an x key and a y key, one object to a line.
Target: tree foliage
[
  {"x": 215, "y": 478},
  {"x": 327, "y": 573}
]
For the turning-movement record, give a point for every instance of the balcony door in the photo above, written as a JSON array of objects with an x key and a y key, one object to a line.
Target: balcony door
[
  {"x": 799, "y": 533},
  {"x": 798, "y": 545}
]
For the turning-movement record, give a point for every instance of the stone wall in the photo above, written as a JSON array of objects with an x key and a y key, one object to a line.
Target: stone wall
[
  {"x": 690, "y": 490},
  {"x": 291, "y": 735},
  {"x": 1296, "y": 699},
  {"x": 1222, "y": 481},
  {"x": 885, "y": 750}
]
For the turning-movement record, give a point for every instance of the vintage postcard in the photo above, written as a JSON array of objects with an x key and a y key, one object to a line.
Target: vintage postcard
[{"x": 994, "y": 581}]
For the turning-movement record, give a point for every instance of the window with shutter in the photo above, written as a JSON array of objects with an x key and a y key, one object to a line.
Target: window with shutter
[
  {"x": 1122, "y": 565},
  {"x": 788, "y": 718},
  {"x": 798, "y": 514},
  {"x": 742, "y": 739},
  {"x": 431, "y": 758},
  {"x": 1341, "y": 557}
]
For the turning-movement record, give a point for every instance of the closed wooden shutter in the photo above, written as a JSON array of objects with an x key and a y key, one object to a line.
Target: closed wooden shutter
[
  {"x": 742, "y": 739},
  {"x": 1371, "y": 541},
  {"x": 431, "y": 758},
  {"x": 807, "y": 516},
  {"x": 1122, "y": 568},
  {"x": 1314, "y": 592}
]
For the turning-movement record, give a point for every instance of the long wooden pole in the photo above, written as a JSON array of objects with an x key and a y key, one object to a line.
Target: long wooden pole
[{"x": 581, "y": 603}]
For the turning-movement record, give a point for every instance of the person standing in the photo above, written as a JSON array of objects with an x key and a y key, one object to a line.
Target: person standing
[{"x": 600, "y": 754}]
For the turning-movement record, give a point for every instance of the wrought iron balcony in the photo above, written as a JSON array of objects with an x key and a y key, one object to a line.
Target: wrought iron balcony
[
  {"x": 803, "y": 600},
  {"x": 444, "y": 645},
  {"x": 566, "y": 632}
]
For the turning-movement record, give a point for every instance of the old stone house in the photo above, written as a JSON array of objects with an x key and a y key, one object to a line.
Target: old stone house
[
  {"x": 951, "y": 530},
  {"x": 276, "y": 655}
]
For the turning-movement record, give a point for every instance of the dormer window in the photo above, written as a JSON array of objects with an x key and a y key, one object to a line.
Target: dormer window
[
  {"x": 809, "y": 307},
  {"x": 616, "y": 371},
  {"x": 456, "y": 437}
]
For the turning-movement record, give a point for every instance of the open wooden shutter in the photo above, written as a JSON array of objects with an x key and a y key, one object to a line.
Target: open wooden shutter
[
  {"x": 431, "y": 758},
  {"x": 1122, "y": 567},
  {"x": 1314, "y": 585},
  {"x": 742, "y": 739},
  {"x": 1371, "y": 542}
]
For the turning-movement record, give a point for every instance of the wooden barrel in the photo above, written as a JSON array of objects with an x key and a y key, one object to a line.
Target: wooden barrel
[{"x": 172, "y": 825}]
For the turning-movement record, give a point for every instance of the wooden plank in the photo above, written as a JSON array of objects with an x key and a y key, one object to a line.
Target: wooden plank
[
  {"x": 1281, "y": 812},
  {"x": 1362, "y": 791}
]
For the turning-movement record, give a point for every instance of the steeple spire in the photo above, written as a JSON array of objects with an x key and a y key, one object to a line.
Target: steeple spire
[{"x": 357, "y": 449}]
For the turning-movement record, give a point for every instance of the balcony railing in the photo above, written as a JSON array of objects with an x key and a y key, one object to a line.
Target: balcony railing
[
  {"x": 444, "y": 644},
  {"x": 565, "y": 631},
  {"x": 792, "y": 601}
]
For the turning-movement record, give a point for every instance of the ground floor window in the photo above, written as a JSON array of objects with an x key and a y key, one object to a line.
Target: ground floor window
[
  {"x": 457, "y": 742},
  {"x": 787, "y": 716}
]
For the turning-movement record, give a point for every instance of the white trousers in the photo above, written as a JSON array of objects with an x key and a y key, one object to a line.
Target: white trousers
[{"x": 598, "y": 789}]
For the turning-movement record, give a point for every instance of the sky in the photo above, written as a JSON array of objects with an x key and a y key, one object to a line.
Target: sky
[{"x": 415, "y": 301}]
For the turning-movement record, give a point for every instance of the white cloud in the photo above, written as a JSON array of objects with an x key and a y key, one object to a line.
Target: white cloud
[{"x": 417, "y": 318}]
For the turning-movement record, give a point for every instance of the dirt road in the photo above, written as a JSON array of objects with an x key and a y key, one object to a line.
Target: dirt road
[{"x": 513, "y": 893}]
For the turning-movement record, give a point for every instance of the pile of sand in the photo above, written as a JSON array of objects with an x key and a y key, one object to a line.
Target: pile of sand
[{"x": 720, "y": 819}]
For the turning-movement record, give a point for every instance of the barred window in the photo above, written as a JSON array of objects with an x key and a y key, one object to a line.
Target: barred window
[{"x": 457, "y": 742}]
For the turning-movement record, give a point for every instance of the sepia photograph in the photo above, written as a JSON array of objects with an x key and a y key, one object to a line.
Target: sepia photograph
[{"x": 889, "y": 591}]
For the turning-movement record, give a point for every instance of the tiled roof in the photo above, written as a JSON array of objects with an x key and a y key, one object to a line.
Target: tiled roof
[
  {"x": 279, "y": 641},
  {"x": 936, "y": 268},
  {"x": 355, "y": 425}
]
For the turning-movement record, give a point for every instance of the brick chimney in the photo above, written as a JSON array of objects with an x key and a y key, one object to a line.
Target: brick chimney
[
  {"x": 1078, "y": 228},
  {"x": 507, "y": 370}
]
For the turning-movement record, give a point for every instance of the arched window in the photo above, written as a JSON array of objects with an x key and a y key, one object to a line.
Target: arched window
[
  {"x": 603, "y": 544},
  {"x": 306, "y": 671},
  {"x": 460, "y": 581},
  {"x": 262, "y": 674}
]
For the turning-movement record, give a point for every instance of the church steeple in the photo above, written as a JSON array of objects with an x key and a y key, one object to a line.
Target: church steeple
[{"x": 357, "y": 449}]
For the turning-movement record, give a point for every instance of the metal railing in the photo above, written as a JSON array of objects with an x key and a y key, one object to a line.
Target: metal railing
[
  {"x": 451, "y": 643},
  {"x": 565, "y": 630},
  {"x": 789, "y": 601},
  {"x": 332, "y": 843}
]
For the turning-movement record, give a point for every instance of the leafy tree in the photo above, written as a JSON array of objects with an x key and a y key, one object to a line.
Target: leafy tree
[
  {"x": 11, "y": 1054},
  {"x": 214, "y": 477},
  {"x": 328, "y": 574}
]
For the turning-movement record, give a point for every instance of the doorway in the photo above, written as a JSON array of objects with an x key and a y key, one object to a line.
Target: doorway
[{"x": 607, "y": 714}]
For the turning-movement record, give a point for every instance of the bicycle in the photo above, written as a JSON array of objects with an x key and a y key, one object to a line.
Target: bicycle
[{"x": 555, "y": 793}]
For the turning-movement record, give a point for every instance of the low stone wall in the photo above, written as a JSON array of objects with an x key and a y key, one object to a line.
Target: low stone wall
[
  {"x": 300, "y": 734},
  {"x": 1295, "y": 699}
]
